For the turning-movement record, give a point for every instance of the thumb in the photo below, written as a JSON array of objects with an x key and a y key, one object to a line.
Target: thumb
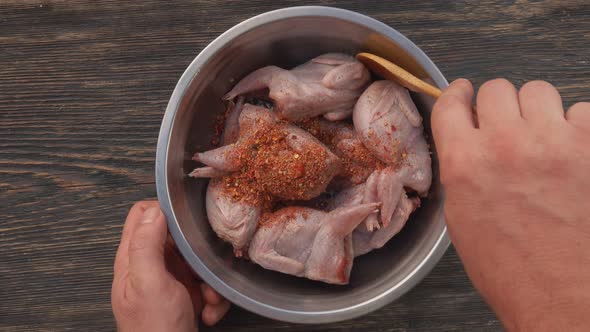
[{"x": 146, "y": 247}]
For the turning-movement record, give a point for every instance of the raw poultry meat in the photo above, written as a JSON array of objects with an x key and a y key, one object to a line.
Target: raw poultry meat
[
  {"x": 250, "y": 122},
  {"x": 327, "y": 85},
  {"x": 309, "y": 243},
  {"x": 365, "y": 240},
  {"x": 357, "y": 161},
  {"x": 389, "y": 125},
  {"x": 384, "y": 185},
  {"x": 233, "y": 221},
  {"x": 230, "y": 134},
  {"x": 284, "y": 160}
]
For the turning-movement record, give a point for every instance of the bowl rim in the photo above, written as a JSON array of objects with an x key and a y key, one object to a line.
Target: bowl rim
[{"x": 293, "y": 316}]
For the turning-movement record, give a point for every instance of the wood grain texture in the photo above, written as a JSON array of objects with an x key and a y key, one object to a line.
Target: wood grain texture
[{"x": 84, "y": 85}]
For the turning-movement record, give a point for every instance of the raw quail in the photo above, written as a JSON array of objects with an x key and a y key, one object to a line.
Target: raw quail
[
  {"x": 309, "y": 243},
  {"x": 327, "y": 85}
]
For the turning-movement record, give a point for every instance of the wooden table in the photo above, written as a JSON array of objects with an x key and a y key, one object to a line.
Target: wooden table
[{"x": 84, "y": 85}]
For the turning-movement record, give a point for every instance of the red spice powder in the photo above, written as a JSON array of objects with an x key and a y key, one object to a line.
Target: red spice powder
[
  {"x": 357, "y": 162},
  {"x": 270, "y": 169},
  {"x": 272, "y": 172}
]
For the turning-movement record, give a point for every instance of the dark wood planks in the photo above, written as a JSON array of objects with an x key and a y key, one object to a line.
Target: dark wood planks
[{"x": 83, "y": 87}]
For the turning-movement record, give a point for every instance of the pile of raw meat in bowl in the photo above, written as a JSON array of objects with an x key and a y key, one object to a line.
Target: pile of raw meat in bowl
[{"x": 315, "y": 166}]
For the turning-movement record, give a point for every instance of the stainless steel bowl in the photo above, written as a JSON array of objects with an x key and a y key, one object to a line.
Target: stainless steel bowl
[{"x": 285, "y": 38}]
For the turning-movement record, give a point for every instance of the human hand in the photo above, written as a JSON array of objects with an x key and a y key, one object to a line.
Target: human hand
[
  {"x": 516, "y": 188},
  {"x": 153, "y": 288}
]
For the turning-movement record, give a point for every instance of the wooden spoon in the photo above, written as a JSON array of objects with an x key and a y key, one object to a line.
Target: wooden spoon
[{"x": 393, "y": 72}]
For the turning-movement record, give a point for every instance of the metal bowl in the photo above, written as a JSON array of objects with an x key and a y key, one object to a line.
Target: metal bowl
[{"x": 285, "y": 38}]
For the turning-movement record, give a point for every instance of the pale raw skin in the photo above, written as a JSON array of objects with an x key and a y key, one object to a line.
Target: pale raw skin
[
  {"x": 389, "y": 125},
  {"x": 309, "y": 243},
  {"x": 364, "y": 240},
  {"x": 327, "y": 85},
  {"x": 234, "y": 222}
]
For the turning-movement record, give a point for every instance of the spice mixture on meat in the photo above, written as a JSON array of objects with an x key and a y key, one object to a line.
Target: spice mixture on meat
[{"x": 317, "y": 165}]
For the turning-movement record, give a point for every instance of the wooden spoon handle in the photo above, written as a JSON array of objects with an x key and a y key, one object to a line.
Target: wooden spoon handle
[{"x": 391, "y": 71}]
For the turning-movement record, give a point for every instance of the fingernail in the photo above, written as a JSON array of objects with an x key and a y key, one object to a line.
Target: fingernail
[{"x": 150, "y": 215}]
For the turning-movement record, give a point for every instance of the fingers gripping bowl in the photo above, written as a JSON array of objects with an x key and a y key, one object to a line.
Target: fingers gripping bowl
[{"x": 286, "y": 38}]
